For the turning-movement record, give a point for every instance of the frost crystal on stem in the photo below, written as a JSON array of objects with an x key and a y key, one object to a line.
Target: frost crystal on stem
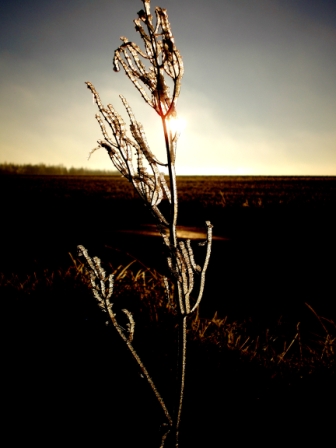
[{"x": 133, "y": 158}]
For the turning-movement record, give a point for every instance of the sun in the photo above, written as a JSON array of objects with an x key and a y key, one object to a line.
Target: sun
[{"x": 177, "y": 125}]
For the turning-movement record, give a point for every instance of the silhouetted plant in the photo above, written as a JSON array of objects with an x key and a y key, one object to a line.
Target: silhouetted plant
[{"x": 149, "y": 180}]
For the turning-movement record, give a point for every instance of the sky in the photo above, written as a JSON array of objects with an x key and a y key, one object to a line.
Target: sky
[{"x": 258, "y": 95}]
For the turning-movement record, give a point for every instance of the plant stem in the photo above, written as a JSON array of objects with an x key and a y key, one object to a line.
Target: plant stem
[
  {"x": 173, "y": 188},
  {"x": 182, "y": 371},
  {"x": 141, "y": 365},
  {"x": 182, "y": 339}
]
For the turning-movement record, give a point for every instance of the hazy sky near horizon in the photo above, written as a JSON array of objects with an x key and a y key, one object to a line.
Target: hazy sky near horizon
[{"x": 258, "y": 94}]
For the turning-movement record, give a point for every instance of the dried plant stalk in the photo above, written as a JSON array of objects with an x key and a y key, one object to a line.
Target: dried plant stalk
[
  {"x": 148, "y": 179},
  {"x": 103, "y": 295}
]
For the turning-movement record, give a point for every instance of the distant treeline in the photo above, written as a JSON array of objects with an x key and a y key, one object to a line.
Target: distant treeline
[{"x": 54, "y": 170}]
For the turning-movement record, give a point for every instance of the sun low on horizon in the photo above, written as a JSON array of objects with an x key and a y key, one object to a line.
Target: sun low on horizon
[{"x": 258, "y": 96}]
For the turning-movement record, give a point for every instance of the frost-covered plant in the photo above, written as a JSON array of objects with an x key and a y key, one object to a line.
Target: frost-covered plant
[{"x": 134, "y": 159}]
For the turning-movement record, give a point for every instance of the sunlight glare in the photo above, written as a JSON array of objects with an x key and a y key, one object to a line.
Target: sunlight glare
[{"x": 177, "y": 125}]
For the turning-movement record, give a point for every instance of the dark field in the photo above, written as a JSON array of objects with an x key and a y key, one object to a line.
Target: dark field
[
  {"x": 273, "y": 251},
  {"x": 275, "y": 241}
]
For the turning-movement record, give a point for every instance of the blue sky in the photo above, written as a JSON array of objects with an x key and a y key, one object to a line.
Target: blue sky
[{"x": 258, "y": 94}]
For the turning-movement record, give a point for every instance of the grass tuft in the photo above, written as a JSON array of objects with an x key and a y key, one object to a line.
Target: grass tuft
[{"x": 282, "y": 349}]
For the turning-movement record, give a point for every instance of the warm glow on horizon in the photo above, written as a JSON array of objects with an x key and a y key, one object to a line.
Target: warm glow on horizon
[{"x": 258, "y": 95}]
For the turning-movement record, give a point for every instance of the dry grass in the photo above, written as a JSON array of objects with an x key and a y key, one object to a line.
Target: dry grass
[
  {"x": 283, "y": 348},
  {"x": 280, "y": 349}
]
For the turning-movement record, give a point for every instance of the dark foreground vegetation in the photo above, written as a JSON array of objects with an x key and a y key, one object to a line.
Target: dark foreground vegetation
[{"x": 262, "y": 351}]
